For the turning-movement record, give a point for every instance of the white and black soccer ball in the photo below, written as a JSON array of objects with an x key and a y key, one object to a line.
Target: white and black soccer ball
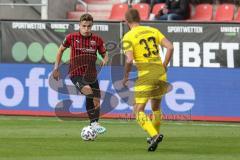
[{"x": 88, "y": 133}]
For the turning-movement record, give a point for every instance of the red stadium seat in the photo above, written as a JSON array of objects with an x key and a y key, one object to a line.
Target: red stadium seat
[
  {"x": 203, "y": 12},
  {"x": 96, "y": 15},
  {"x": 144, "y": 10},
  {"x": 101, "y": 1},
  {"x": 224, "y": 12},
  {"x": 74, "y": 15},
  {"x": 118, "y": 11},
  {"x": 157, "y": 7},
  {"x": 238, "y": 15},
  {"x": 79, "y": 7}
]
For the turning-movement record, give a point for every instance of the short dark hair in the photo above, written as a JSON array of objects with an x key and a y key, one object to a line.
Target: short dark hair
[
  {"x": 132, "y": 15},
  {"x": 86, "y": 17}
]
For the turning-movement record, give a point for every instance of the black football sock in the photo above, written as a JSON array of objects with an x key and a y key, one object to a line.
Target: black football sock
[{"x": 93, "y": 113}]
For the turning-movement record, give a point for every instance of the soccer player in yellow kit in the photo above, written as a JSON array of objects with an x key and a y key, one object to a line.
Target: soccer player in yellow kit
[{"x": 141, "y": 45}]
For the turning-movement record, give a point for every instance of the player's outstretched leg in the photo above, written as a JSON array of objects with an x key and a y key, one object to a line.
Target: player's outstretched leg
[{"x": 93, "y": 114}]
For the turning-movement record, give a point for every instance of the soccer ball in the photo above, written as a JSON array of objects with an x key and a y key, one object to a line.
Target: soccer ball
[{"x": 88, "y": 133}]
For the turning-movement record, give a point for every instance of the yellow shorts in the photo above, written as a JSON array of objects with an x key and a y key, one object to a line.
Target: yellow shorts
[{"x": 150, "y": 88}]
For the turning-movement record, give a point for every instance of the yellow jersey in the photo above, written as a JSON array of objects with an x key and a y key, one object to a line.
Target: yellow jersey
[{"x": 144, "y": 42}]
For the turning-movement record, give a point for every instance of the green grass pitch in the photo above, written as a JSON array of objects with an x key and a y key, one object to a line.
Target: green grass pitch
[{"x": 41, "y": 138}]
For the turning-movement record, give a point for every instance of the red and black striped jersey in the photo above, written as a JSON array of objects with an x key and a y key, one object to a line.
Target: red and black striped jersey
[{"x": 83, "y": 53}]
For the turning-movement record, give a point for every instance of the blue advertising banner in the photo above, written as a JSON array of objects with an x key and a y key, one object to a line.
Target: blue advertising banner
[{"x": 197, "y": 94}]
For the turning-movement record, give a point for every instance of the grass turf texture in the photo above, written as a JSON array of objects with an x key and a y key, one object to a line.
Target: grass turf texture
[{"x": 25, "y": 138}]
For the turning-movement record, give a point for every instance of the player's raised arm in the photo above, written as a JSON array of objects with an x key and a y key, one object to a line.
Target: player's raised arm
[
  {"x": 56, "y": 73},
  {"x": 167, "y": 44}
]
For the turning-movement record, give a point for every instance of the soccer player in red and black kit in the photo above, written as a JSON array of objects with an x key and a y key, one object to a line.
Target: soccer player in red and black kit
[{"x": 82, "y": 70}]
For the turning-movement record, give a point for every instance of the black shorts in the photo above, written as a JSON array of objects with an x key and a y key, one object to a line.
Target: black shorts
[{"x": 80, "y": 82}]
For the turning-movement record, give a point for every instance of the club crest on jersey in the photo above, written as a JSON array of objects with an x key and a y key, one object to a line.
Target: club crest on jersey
[{"x": 93, "y": 43}]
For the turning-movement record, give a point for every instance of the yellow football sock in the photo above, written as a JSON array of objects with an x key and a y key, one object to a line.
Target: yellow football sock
[
  {"x": 145, "y": 122},
  {"x": 156, "y": 119}
]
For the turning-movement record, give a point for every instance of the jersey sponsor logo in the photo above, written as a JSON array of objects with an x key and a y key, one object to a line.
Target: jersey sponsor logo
[{"x": 86, "y": 50}]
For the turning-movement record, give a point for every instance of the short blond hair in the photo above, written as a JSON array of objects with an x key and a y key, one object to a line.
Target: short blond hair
[{"x": 132, "y": 15}]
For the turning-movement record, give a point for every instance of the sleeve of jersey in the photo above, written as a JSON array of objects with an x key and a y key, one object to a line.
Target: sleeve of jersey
[
  {"x": 67, "y": 41},
  {"x": 101, "y": 47},
  {"x": 160, "y": 37},
  {"x": 127, "y": 44}
]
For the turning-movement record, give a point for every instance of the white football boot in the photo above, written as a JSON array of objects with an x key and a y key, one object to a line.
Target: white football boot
[{"x": 98, "y": 128}]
